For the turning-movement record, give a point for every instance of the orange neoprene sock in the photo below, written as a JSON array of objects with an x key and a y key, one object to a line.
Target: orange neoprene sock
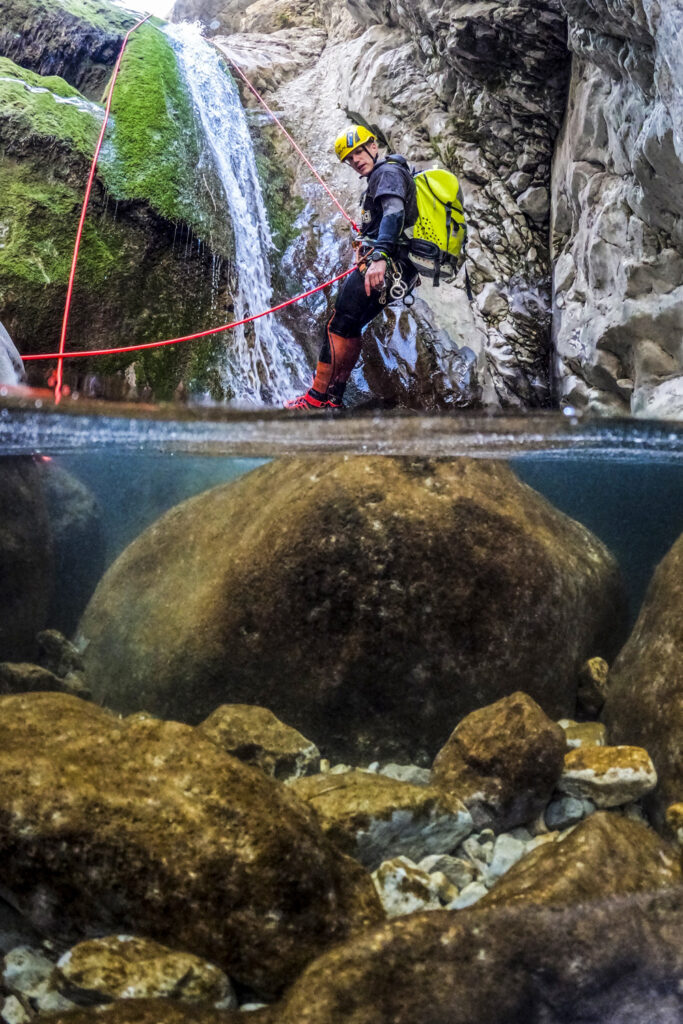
[{"x": 344, "y": 354}]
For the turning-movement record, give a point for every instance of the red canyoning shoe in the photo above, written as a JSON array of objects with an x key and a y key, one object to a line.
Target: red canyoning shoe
[{"x": 311, "y": 401}]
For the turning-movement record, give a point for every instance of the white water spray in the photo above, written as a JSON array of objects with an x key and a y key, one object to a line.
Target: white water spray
[{"x": 263, "y": 364}]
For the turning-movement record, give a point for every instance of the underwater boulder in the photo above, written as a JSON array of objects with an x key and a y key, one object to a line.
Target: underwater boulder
[
  {"x": 26, "y": 559},
  {"x": 613, "y": 961},
  {"x": 604, "y": 855},
  {"x": 644, "y": 700},
  {"x": 369, "y": 602},
  {"x": 142, "y": 826},
  {"x": 79, "y": 544},
  {"x": 254, "y": 735},
  {"x": 503, "y": 761}
]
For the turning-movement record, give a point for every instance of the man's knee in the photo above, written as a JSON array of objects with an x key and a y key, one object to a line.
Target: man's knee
[{"x": 344, "y": 324}]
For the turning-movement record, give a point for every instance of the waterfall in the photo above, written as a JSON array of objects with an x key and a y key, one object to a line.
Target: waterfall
[{"x": 263, "y": 364}]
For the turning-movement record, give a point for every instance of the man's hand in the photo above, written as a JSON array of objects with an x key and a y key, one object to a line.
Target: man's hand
[{"x": 374, "y": 276}]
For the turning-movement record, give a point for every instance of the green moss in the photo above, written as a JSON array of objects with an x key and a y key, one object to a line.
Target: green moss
[
  {"x": 26, "y": 113},
  {"x": 37, "y": 220},
  {"x": 56, "y": 85},
  {"x": 155, "y": 149}
]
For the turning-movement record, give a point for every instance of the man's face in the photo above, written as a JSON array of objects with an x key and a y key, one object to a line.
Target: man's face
[{"x": 363, "y": 159}]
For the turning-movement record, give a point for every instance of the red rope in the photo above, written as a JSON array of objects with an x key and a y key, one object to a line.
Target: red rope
[
  {"x": 81, "y": 222},
  {"x": 189, "y": 337},
  {"x": 279, "y": 123},
  {"x": 61, "y": 355}
]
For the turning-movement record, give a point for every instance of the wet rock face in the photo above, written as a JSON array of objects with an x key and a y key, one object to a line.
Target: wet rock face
[
  {"x": 369, "y": 602},
  {"x": 485, "y": 92},
  {"x": 503, "y": 762},
  {"x": 51, "y": 40},
  {"x": 143, "y": 827},
  {"x": 617, "y": 223},
  {"x": 26, "y": 559},
  {"x": 644, "y": 702},
  {"x": 611, "y": 961},
  {"x": 11, "y": 366},
  {"x": 479, "y": 88}
]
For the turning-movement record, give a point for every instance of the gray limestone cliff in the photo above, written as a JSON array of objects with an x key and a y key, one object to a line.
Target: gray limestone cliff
[
  {"x": 617, "y": 225},
  {"x": 564, "y": 122}
]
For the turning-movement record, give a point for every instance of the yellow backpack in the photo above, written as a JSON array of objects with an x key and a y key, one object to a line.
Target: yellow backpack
[{"x": 439, "y": 234}]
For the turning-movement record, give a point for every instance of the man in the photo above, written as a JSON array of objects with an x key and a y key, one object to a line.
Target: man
[{"x": 388, "y": 206}]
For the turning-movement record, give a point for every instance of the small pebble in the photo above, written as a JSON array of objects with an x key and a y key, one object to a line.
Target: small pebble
[
  {"x": 458, "y": 871},
  {"x": 506, "y": 851},
  {"x": 566, "y": 810},
  {"x": 469, "y": 895}
]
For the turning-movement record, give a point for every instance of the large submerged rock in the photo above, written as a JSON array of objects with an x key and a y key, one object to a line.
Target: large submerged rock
[
  {"x": 644, "y": 702},
  {"x": 26, "y": 559},
  {"x": 503, "y": 762},
  {"x": 143, "y": 826},
  {"x": 605, "y": 855},
  {"x": 369, "y": 602},
  {"x": 610, "y": 961}
]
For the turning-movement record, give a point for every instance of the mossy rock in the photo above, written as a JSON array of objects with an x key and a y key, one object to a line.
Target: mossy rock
[
  {"x": 143, "y": 827},
  {"x": 368, "y": 602}
]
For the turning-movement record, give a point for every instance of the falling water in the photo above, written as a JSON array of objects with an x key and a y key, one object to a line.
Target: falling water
[{"x": 263, "y": 364}]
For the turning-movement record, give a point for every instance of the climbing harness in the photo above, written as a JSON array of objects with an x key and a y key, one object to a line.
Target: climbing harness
[{"x": 396, "y": 288}]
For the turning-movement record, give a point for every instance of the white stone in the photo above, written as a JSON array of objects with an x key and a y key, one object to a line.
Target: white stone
[
  {"x": 609, "y": 776},
  {"x": 506, "y": 851},
  {"x": 407, "y": 773},
  {"x": 404, "y": 889},
  {"x": 469, "y": 895},
  {"x": 460, "y": 872},
  {"x": 535, "y": 203},
  {"x": 12, "y": 1012},
  {"x": 567, "y": 810}
]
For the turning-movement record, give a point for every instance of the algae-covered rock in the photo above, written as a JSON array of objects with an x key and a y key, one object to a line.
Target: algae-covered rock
[
  {"x": 128, "y": 967},
  {"x": 26, "y": 558},
  {"x": 157, "y": 1011},
  {"x": 604, "y": 855},
  {"x": 503, "y": 762},
  {"x": 644, "y": 703},
  {"x": 593, "y": 682},
  {"x": 583, "y": 734},
  {"x": 373, "y": 817},
  {"x": 134, "y": 278},
  {"x": 254, "y": 735},
  {"x": 609, "y": 776},
  {"x": 143, "y": 826},
  {"x": 79, "y": 544},
  {"x": 610, "y": 961},
  {"x": 25, "y": 677},
  {"x": 368, "y": 602}
]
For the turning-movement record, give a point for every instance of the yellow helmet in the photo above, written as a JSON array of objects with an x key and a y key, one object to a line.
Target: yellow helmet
[{"x": 356, "y": 136}]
